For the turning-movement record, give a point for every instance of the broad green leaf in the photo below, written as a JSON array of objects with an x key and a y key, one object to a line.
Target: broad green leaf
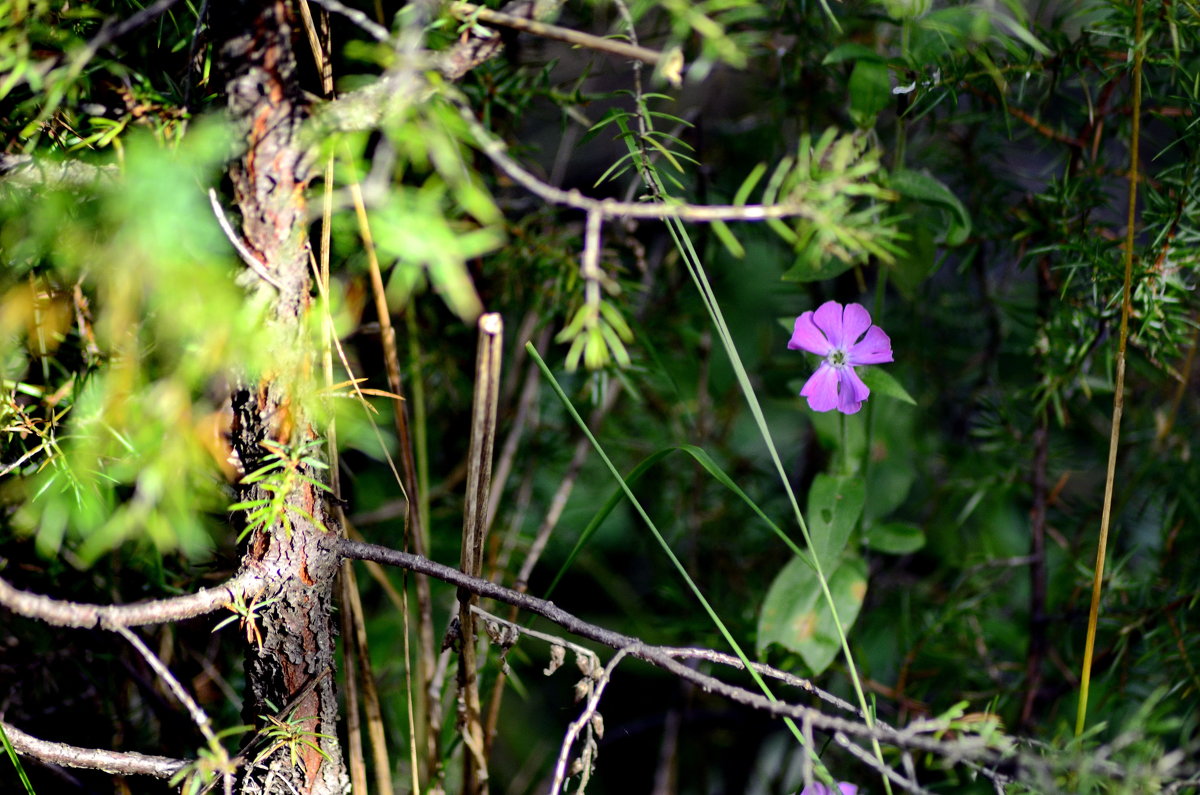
[
  {"x": 925, "y": 188},
  {"x": 881, "y": 382},
  {"x": 870, "y": 92},
  {"x": 895, "y": 538},
  {"x": 834, "y": 505},
  {"x": 918, "y": 254},
  {"x": 851, "y": 52},
  {"x": 795, "y": 616}
]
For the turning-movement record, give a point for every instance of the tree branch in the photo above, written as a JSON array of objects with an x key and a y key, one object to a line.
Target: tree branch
[
  {"x": 63, "y": 613},
  {"x": 966, "y": 747},
  {"x": 995, "y": 757},
  {"x": 497, "y": 152},
  {"x": 128, "y": 763},
  {"x": 469, "y": 12}
]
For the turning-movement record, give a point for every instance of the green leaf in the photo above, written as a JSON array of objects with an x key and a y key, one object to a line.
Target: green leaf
[
  {"x": 918, "y": 254},
  {"x": 728, "y": 240},
  {"x": 795, "y": 616},
  {"x": 834, "y": 505},
  {"x": 895, "y": 538},
  {"x": 806, "y": 271},
  {"x": 881, "y": 382},
  {"x": 870, "y": 92},
  {"x": 747, "y": 186},
  {"x": 851, "y": 52},
  {"x": 928, "y": 189}
]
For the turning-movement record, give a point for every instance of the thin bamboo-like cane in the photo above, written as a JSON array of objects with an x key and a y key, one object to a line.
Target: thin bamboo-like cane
[
  {"x": 479, "y": 478},
  {"x": 1119, "y": 390}
]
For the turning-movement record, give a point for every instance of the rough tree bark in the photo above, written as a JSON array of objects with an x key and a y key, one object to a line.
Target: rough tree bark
[{"x": 293, "y": 664}]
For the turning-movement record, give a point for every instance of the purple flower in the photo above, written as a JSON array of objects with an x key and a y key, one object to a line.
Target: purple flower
[
  {"x": 846, "y": 338},
  {"x": 821, "y": 789}
]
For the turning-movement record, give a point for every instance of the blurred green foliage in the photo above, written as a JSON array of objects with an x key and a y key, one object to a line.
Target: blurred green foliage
[{"x": 962, "y": 169}]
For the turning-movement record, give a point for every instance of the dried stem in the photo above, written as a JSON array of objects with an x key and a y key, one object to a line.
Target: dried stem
[
  {"x": 414, "y": 518},
  {"x": 479, "y": 477},
  {"x": 1119, "y": 387}
]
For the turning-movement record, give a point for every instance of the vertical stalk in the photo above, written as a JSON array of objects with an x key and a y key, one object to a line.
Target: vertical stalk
[
  {"x": 479, "y": 477},
  {"x": 426, "y": 662},
  {"x": 1119, "y": 390}
]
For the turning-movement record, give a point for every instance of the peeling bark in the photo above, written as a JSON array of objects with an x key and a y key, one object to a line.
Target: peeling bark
[{"x": 297, "y": 632}]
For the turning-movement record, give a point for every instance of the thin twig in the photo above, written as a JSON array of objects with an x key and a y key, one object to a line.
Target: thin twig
[
  {"x": 497, "y": 152},
  {"x": 63, "y": 613},
  {"x": 469, "y": 12},
  {"x": 253, "y": 262},
  {"x": 198, "y": 716},
  {"x": 128, "y": 763},
  {"x": 368, "y": 25},
  {"x": 876, "y": 765},
  {"x": 722, "y": 658},
  {"x": 584, "y": 720}
]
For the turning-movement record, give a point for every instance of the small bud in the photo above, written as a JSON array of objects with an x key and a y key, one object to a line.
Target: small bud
[
  {"x": 582, "y": 688},
  {"x": 557, "y": 655}
]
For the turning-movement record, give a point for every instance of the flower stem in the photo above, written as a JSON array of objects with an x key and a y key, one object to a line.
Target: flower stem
[{"x": 847, "y": 461}]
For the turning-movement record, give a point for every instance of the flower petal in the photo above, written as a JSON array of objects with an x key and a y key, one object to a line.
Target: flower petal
[
  {"x": 828, "y": 318},
  {"x": 858, "y": 389},
  {"x": 874, "y": 348},
  {"x": 822, "y": 389},
  {"x": 817, "y": 788},
  {"x": 851, "y": 391},
  {"x": 855, "y": 320},
  {"x": 807, "y": 337}
]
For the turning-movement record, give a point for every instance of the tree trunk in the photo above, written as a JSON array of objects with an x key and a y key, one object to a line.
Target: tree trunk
[{"x": 290, "y": 693}]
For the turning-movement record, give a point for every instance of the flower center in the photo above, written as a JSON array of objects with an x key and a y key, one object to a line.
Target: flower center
[{"x": 836, "y": 357}]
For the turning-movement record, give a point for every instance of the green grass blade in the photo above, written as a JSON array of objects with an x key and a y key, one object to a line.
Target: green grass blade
[
  {"x": 647, "y": 463},
  {"x": 16, "y": 760},
  {"x": 662, "y": 542}
]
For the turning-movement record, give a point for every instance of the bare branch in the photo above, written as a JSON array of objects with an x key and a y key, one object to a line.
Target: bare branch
[
  {"x": 199, "y": 717},
  {"x": 63, "y": 613},
  {"x": 996, "y": 757},
  {"x": 127, "y": 763},
  {"x": 967, "y": 747},
  {"x": 478, "y": 47},
  {"x": 873, "y": 763},
  {"x": 370, "y": 26},
  {"x": 470, "y": 12},
  {"x": 497, "y": 152}
]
